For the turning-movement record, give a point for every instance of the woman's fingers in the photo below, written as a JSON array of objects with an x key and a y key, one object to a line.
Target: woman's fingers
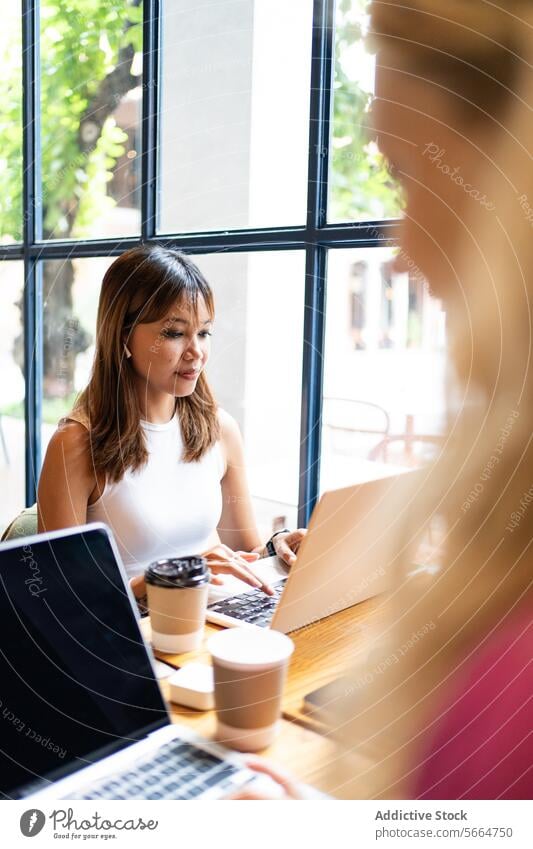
[
  {"x": 287, "y": 545},
  {"x": 138, "y": 586},
  {"x": 245, "y": 795},
  {"x": 245, "y": 574},
  {"x": 296, "y": 537},
  {"x": 286, "y": 554},
  {"x": 224, "y": 559},
  {"x": 276, "y": 774}
]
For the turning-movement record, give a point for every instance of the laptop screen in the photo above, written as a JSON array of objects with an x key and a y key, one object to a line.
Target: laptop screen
[{"x": 75, "y": 677}]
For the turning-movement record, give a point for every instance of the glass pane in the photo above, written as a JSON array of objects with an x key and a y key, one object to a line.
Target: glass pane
[
  {"x": 255, "y": 370},
  {"x": 11, "y": 124},
  {"x": 360, "y": 186},
  {"x": 71, "y": 289},
  {"x": 91, "y": 117},
  {"x": 384, "y": 382},
  {"x": 261, "y": 392},
  {"x": 235, "y": 112},
  {"x": 12, "y": 431}
]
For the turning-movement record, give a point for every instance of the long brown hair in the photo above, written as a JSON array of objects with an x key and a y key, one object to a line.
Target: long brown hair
[
  {"x": 140, "y": 287},
  {"x": 482, "y": 482}
]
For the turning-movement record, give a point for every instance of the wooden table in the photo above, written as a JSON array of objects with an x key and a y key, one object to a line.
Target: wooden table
[
  {"x": 323, "y": 651},
  {"x": 299, "y": 751}
]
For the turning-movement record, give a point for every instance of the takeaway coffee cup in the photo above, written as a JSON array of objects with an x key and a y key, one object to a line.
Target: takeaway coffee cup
[
  {"x": 177, "y": 599},
  {"x": 250, "y": 668}
]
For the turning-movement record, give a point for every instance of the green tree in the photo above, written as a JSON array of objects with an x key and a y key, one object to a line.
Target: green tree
[
  {"x": 360, "y": 183},
  {"x": 88, "y": 49}
]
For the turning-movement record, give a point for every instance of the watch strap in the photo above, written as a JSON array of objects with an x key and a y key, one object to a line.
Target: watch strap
[{"x": 271, "y": 551}]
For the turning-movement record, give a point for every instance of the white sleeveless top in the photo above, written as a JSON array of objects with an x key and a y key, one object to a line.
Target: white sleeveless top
[{"x": 167, "y": 508}]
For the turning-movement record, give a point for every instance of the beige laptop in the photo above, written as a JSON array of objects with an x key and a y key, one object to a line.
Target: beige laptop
[{"x": 346, "y": 557}]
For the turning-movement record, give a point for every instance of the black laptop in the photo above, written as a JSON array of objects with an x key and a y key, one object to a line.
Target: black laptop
[{"x": 81, "y": 713}]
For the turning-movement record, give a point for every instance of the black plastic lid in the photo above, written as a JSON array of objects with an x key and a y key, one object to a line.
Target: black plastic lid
[{"x": 178, "y": 572}]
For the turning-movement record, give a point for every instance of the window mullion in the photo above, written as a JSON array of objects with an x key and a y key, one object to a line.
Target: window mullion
[
  {"x": 150, "y": 118},
  {"x": 32, "y": 229},
  {"x": 316, "y": 257}
]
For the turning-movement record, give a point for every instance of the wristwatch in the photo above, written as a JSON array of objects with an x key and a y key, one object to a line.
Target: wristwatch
[{"x": 271, "y": 551}]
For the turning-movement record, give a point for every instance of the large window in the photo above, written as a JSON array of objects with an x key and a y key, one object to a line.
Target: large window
[
  {"x": 71, "y": 291},
  {"x": 384, "y": 375},
  {"x": 256, "y": 372},
  {"x": 360, "y": 186},
  {"x": 237, "y": 131},
  {"x": 234, "y": 114},
  {"x": 91, "y": 85},
  {"x": 11, "y": 391}
]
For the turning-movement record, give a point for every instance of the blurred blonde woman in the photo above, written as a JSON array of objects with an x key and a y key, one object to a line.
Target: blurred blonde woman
[{"x": 447, "y": 710}]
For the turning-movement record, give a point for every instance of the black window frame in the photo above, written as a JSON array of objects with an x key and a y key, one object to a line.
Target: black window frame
[{"x": 316, "y": 237}]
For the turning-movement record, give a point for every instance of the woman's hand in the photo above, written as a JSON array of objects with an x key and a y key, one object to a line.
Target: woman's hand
[
  {"x": 286, "y": 788},
  {"x": 287, "y": 545},
  {"x": 223, "y": 561},
  {"x": 138, "y": 586}
]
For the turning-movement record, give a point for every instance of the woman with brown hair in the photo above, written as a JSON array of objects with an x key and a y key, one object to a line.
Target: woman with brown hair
[
  {"x": 443, "y": 709},
  {"x": 146, "y": 449}
]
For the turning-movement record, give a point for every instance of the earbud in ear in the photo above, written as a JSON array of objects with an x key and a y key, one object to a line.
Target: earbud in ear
[{"x": 127, "y": 351}]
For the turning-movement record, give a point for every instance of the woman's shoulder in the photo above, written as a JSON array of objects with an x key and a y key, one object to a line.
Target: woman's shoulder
[
  {"x": 77, "y": 416},
  {"x": 228, "y": 425},
  {"x": 230, "y": 432},
  {"x": 71, "y": 436},
  {"x": 230, "y": 438}
]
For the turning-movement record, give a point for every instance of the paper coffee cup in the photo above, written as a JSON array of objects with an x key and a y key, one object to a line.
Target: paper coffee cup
[
  {"x": 250, "y": 669},
  {"x": 177, "y": 600}
]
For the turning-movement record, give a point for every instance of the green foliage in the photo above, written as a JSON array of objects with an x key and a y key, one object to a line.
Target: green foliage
[
  {"x": 360, "y": 184},
  {"x": 80, "y": 43},
  {"x": 52, "y": 408},
  {"x": 11, "y": 127}
]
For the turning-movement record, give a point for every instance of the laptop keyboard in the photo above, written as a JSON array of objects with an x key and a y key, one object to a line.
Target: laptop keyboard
[
  {"x": 176, "y": 770},
  {"x": 252, "y": 606}
]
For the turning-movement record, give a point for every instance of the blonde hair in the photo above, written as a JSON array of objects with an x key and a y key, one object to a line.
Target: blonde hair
[
  {"x": 140, "y": 287},
  {"x": 484, "y": 475}
]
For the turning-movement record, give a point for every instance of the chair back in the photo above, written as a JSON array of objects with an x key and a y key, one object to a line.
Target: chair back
[{"x": 23, "y": 525}]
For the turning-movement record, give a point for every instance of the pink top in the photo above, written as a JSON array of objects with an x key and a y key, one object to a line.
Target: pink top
[{"x": 482, "y": 746}]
